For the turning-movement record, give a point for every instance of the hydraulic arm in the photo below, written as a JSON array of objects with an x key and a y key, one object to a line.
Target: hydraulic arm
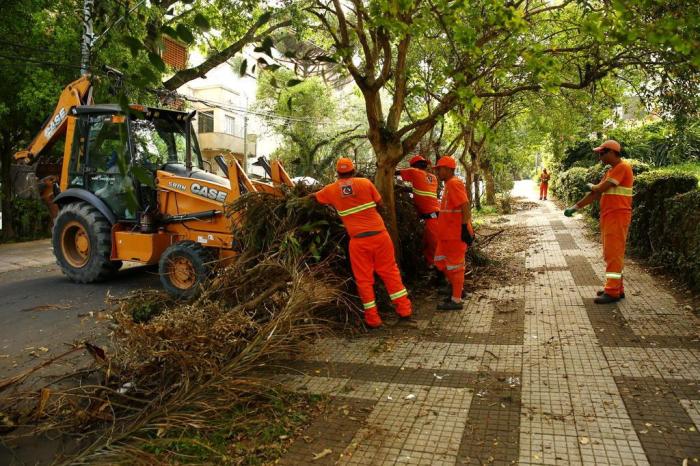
[{"x": 79, "y": 92}]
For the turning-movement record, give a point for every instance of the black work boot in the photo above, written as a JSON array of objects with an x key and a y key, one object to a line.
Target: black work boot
[
  {"x": 605, "y": 299},
  {"x": 450, "y": 306},
  {"x": 447, "y": 293},
  {"x": 601, "y": 293}
]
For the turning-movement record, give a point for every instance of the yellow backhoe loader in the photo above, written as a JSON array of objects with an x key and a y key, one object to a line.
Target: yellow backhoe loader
[{"x": 131, "y": 186}]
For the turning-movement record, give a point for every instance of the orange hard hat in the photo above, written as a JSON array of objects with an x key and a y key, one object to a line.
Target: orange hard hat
[
  {"x": 609, "y": 144},
  {"x": 416, "y": 159},
  {"x": 447, "y": 161},
  {"x": 344, "y": 165}
]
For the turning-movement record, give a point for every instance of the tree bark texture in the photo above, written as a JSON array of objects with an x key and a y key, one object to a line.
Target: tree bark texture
[{"x": 490, "y": 182}]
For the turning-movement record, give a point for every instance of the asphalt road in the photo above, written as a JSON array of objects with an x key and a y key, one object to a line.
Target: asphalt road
[
  {"x": 41, "y": 308},
  {"x": 41, "y": 313}
]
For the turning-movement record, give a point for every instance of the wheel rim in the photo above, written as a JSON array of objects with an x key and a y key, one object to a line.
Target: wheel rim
[
  {"x": 181, "y": 272},
  {"x": 75, "y": 243}
]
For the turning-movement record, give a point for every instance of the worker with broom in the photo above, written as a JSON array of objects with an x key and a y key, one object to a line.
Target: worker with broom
[
  {"x": 455, "y": 232},
  {"x": 424, "y": 187},
  {"x": 615, "y": 194},
  {"x": 371, "y": 249}
]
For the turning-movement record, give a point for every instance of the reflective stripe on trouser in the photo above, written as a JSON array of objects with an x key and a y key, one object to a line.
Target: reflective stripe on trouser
[
  {"x": 449, "y": 258},
  {"x": 375, "y": 254},
  {"x": 430, "y": 240},
  {"x": 613, "y": 230},
  {"x": 543, "y": 189}
]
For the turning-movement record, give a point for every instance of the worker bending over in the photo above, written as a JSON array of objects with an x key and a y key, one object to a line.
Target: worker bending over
[
  {"x": 615, "y": 194},
  {"x": 455, "y": 231},
  {"x": 544, "y": 184},
  {"x": 371, "y": 249},
  {"x": 424, "y": 186}
]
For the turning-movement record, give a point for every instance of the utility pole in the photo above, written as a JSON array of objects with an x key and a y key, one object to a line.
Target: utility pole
[
  {"x": 88, "y": 37},
  {"x": 245, "y": 134}
]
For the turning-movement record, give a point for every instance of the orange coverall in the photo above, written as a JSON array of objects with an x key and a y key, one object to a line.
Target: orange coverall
[
  {"x": 371, "y": 248},
  {"x": 449, "y": 257},
  {"x": 544, "y": 185},
  {"x": 615, "y": 218},
  {"x": 425, "y": 186}
]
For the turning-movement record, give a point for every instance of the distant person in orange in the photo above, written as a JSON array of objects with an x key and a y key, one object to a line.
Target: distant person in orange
[
  {"x": 371, "y": 248},
  {"x": 455, "y": 231},
  {"x": 424, "y": 187},
  {"x": 615, "y": 194},
  {"x": 544, "y": 184}
]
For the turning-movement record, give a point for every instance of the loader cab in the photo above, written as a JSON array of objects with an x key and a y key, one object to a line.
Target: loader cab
[{"x": 115, "y": 156}]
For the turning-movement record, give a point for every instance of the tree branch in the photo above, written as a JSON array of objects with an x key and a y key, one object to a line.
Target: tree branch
[
  {"x": 188, "y": 74},
  {"x": 397, "y": 105}
]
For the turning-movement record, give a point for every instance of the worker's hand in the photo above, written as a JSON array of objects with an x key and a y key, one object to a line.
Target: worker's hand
[
  {"x": 466, "y": 236},
  {"x": 590, "y": 186},
  {"x": 570, "y": 211}
]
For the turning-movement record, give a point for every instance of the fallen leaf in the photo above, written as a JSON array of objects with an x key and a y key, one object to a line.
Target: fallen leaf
[
  {"x": 44, "y": 307},
  {"x": 43, "y": 399},
  {"x": 322, "y": 454},
  {"x": 584, "y": 440},
  {"x": 43, "y": 349}
]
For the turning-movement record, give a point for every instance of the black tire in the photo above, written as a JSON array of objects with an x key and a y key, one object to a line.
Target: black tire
[
  {"x": 195, "y": 258},
  {"x": 95, "y": 264}
]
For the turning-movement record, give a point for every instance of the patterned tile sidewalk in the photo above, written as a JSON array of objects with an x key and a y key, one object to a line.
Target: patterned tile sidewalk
[{"x": 528, "y": 373}]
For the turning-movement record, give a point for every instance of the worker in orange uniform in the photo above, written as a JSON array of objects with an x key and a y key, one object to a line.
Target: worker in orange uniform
[
  {"x": 615, "y": 194},
  {"x": 455, "y": 231},
  {"x": 544, "y": 184},
  {"x": 371, "y": 248},
  {"x": 424, "y": 186}
]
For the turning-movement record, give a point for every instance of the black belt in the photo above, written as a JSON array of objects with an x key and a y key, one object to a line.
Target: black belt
[
  {"x": 430, "y": 215},
  {"x": 365, "y": 234}
]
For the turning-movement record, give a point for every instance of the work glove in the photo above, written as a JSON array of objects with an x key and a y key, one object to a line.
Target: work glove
[
  {"x": 589, "y": 186},
  {"x": 570, "y": 211},
  {"x": 466, "y": 236}
]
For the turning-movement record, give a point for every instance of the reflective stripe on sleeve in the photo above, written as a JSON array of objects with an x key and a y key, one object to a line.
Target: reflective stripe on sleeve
[
  {"x": 369, "y": 305},
  {"x": 398, "y": 294},
  {"x": 619, "y": 191},
  {"x": 359, "y": 208}
]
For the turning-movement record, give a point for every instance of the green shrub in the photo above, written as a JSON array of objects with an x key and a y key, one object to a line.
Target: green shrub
[
  {"x": 679, "y": 249},
  {"x": 651, "y": 189},
  {"x": 30, "y": 219},
  {"x": 571, "y": 184}
]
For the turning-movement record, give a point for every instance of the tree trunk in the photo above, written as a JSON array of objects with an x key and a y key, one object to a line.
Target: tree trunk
[
  {"x": 490, "y": 184},
  {"x": 387, "y": 161},
  {"x": 477, "y": 196},
  {"x": 8, "y": 232}
]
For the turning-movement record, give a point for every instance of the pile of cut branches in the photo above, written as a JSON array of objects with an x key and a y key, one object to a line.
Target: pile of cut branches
[
  {"x": 173, "y": 366},
  {"x": 188, "y": 364}
]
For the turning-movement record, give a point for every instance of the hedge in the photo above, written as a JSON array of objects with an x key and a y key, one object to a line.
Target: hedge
[
  {"x": 651, "y": 189},
  {"x": 680, "y": 249}
]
